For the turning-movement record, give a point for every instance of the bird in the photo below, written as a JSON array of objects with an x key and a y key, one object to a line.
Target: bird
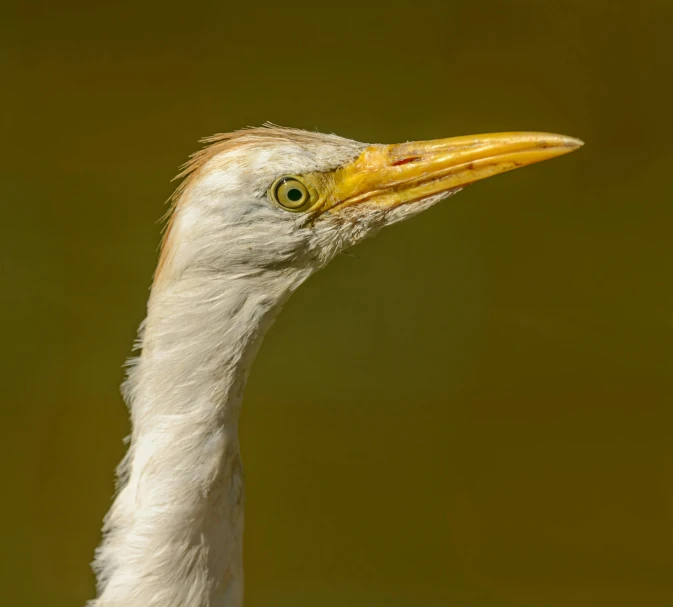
[{"x": 256, "y": 213}]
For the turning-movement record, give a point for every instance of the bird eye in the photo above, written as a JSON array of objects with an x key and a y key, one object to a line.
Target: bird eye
[{"x": 291, "y": 194}]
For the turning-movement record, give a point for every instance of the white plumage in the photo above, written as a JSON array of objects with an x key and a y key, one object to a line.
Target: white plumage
[{"x": 231, "y": 257}]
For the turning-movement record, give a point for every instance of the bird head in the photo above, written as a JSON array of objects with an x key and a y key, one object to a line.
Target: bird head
[{"x": 279, "y": 201}]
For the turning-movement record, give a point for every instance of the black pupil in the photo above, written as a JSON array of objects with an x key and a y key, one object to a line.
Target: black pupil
[{"x": 294, "y": 195}]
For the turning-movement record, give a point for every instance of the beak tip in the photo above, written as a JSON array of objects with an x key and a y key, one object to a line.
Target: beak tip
[{"x": 574, "y": 143}]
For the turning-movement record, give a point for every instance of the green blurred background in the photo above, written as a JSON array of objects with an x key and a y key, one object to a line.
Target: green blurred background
[{"x": 483, "y": 419}]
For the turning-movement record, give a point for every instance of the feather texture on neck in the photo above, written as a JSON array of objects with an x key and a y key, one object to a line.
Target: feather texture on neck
[{"x": 174, "y": 534}]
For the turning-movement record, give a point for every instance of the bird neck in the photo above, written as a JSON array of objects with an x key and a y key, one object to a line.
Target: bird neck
[{"x": 174, "y": 533}]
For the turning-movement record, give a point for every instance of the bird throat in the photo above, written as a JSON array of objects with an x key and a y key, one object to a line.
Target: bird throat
[{"x": 174, "y": 533}]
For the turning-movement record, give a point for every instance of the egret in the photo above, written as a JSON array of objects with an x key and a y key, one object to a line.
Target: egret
[{"x": 257, "y": 212}]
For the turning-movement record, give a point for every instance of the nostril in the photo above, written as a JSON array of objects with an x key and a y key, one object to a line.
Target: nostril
[{"x": 405, "y": 161}]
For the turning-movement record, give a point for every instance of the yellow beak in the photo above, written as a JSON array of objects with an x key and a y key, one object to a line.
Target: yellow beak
[{"x": 390, "y": 175}]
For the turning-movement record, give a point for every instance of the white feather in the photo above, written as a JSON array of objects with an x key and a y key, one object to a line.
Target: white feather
[{"x": 173, "y": 537}]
